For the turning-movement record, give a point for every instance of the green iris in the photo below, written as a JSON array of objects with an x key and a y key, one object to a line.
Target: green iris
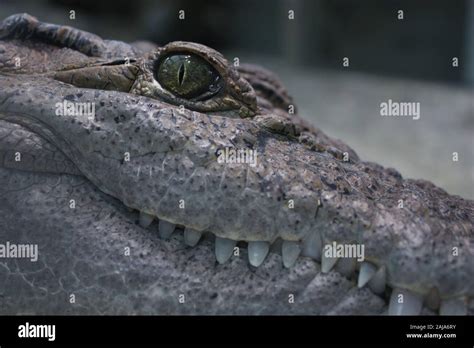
[{"x": 187, "y": 76}]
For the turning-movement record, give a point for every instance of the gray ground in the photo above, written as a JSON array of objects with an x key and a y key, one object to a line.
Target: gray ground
[{"x": 347, "y": 106}]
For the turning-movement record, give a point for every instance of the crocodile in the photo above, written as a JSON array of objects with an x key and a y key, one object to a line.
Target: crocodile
[{"x": 109, "y": 163}]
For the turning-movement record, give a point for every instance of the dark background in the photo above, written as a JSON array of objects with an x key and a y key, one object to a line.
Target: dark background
[
  {"x": 322, "y": 33},
  {"x": 403, "y": 60}
]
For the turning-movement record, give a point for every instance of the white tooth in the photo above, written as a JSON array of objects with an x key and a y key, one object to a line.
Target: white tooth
[
  {"x": 257, "y": 252},
  {"x": 379, "y": 281},
  {"x": 191, "y": 236},
  {"x": 145, "y": 219},
  {"x": 327, "y": 263},
  {"x": 453, "y": 306},
  {"x": 224, "y": 249},
  {"x": 366, "y": 272},
  {"x": 346, "y": 266},
  {"x": 312, "y": 246},
  {"x": 290, "y": 252},
  {"x": 165, "y": 229},
  {"x": 404, "y": 302}
]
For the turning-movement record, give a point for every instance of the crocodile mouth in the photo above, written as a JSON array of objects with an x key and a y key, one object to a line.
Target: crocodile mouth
[
  {"x": 400, "y": 300},
  {"x": 368, "y": 271}
]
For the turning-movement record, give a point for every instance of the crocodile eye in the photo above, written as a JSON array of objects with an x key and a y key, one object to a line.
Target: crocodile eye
[{"x": 188, "y": 76}]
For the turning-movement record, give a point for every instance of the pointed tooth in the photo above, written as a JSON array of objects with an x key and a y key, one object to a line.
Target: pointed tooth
[
  {"x": 327, "y": 263},
  {"x": 290, "y": 251},
  {"x": 453, "y": 306},
  {"x": 346, "y": 266},
  {"x": 224, "y": 249},
  {"x": 411, "y": 305},
  {"x": 366, "y": 272},
  {"x": 165, "y": 229},
  {"x": 191, "y": 236},
  {"x": 379, "y": 281},
  {"x": 257, "y": 252},
  {"x": 312, "y": 246},
  {"x": 145, "y": 219}
]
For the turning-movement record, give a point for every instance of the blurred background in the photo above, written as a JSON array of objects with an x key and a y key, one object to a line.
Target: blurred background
[{"x": 403, "y": 56}]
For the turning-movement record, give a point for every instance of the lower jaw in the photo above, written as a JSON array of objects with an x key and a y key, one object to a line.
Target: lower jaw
[{"x": 400, "y": 300}]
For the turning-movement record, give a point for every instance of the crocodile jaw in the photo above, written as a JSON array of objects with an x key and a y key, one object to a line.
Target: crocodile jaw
[{"x": 172, "y": 161}]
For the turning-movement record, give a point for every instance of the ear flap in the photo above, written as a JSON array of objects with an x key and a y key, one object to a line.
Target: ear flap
[{"x": 119, "y": 77}]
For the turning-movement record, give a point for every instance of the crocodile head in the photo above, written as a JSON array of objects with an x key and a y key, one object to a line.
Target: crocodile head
[{"x": 195, "y": 143}]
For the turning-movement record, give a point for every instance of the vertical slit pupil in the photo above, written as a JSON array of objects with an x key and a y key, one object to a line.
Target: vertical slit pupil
[{"x": 181, "y": 74}]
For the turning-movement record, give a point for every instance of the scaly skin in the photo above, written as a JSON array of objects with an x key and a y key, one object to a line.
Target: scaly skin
[{"x": 173, "y": 158}]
